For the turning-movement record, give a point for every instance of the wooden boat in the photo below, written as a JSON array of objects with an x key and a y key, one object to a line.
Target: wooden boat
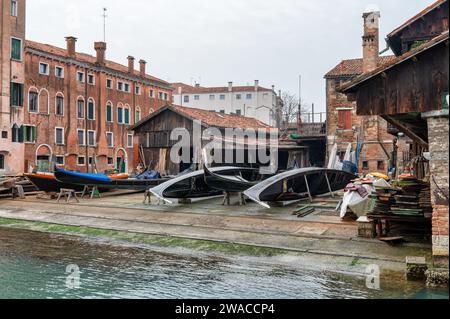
[
  {"x": 105, "y": 181},
  {"x": 192, "y": 185},
  {"x": 46, "y": 182},
  {"x": 298, "y": 184}
]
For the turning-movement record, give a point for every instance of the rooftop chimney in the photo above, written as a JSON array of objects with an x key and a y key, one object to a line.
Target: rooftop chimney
[
  {"x": 371, "y": 38},
  {"x": 230, "y": 86},
  {"x": 142, "y": 65},
  {"x": 130, "y": 64},
  {"x": 197, "y": 85},
  {"x": 256, "y": 85},
  {"x": 71, "y": 47},
  {"x": 100, "y": 48}
]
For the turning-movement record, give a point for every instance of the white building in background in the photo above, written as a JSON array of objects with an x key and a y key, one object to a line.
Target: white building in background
[{"x": 250, "y": 101}]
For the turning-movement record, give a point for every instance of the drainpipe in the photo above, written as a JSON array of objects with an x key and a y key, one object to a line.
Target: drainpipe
[{"x": 86, "y": 102}]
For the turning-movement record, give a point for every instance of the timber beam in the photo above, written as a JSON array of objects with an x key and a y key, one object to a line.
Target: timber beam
[{"x": 405, "y": 129}]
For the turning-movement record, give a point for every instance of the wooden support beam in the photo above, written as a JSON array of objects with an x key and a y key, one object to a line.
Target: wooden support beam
[{"x": 402, "y": 127}]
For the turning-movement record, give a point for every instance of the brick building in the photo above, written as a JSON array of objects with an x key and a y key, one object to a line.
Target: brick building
[
  {"x": 73, "y": 108},
  {"x": 344, "y": 126}
]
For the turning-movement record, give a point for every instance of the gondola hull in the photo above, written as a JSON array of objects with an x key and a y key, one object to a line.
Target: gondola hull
[
  {"x": 192, "y": 185},
  {"x": 46, "y": 182},
  {"x": 298, "y": 184},
  {"x": 104, "y": 181},
  {"x": 246, "y": 178}
]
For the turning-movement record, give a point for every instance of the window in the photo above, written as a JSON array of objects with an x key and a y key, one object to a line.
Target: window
[
  {"x": 212, "y": 97},
  {"x": 249, "y": 96},
  {"x": 109, "y": 113},
  {"x": 33, "y": 102},
  {"x": 130, "y": 140},
  {"x": 222, "y": 97},
  {"x": 380, "y": 165},
  {"x": 265, "y": 96},
  {"x": 196, "y": 97},
  {"x": 152, "y": 93},
  {"x": 91, "y": 160},
  {"x": 110, "y": 139},
  {"x": 110, "y": 161},
  {"x": 60, "y": 160},
  {"x": 222, "y": 111},
  {"x": 126, "y": 115},
  {"x": 137, "y": 115},
  {"x": 365, "y": 164},
  {"x": 29, "y": 133},
  {"x": 126, "y": 87},
  {"x": 80, "y": 76},
  {"x": 91, "y": 79},
  {"x": 120, "y": 115},
  {"x": 81, "y": 161},
  {"x": 238, "y": 112},
  {"x": 137, "y": 90},
  {"x": 80, "y": 109},
  {"x": 59, "y": 109},
  {"x": 16, "y": 49},
  {"x": 238, "y": 96},
  {"x": 120, "y": 86},
  {"x": 81, "y": 137},
  {"x": 59, "y": 72},
  {"x": 44, "y": 68},
  {"x": 160, "y": 95},
  {"x": 2, "y": 161},
  {"x": 344, "y": 119},
  {"x": 16, "y": 94},
  {"x": 17, "y": 134},
  {"x": 109, "y": 84},
  {"x": 91, "y": 110},
  {"x": 166, "y": 96},
  {"x": 4, "y": 134},
  {"x": 91, "y": 138},
  {"x": 59, "y": 136},
  {"x": 186, "y": 99},
  {"x": 13, "y": 8}
]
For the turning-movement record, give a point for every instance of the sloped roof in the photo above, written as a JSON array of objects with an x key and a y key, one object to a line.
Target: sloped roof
[
  {"x": 395, "y": 61},
  {"x": 354, "y": 67},
  {"x": 86, "y": 58},
  {"x": 417, "y": 17},
  {"x": 188, "y": 89},
  {"x": 209, "y": 118}
]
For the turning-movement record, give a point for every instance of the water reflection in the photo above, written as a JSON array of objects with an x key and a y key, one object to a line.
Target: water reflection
[{"x": 33, "y": 265}]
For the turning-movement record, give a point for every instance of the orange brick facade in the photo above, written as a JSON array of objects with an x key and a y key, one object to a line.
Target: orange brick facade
[{"x": 113, "y": 97}]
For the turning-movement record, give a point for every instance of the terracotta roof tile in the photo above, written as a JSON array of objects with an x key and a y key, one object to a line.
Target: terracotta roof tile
[
  {"x": 354, "y": 67},
  {"x": 85, "y": 58},
  {"x": 188, "y": 89}
]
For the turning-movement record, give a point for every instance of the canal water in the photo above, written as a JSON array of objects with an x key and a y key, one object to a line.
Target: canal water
[{"x": 34, "y": 265}]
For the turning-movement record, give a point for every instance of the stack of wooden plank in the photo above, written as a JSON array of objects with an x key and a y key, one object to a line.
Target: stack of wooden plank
[{"x": 381, "y": 201}]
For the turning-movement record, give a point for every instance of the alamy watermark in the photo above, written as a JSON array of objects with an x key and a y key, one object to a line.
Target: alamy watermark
[
  {"x": 73, "y": 276},
  {"x": 373, "y": 277}
]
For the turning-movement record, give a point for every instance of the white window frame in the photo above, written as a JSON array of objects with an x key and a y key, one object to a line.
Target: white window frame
[
  {"x": 21, "y": 49},
  {"x": 87, "y": 110},
  {"x": 222, "y": 97},
  {"x": 83, "y": 78},
  {"x": 48, "y": 68},
  {"x": 197, "y": 97},
  {"x": 84, "y": 137},
  {"x": 132, "y": 140},
  {"x": 152, "y": 94},
  {"x": 109, "y": 104},
  {"x": 137, "y": 90},
  {"x": 120, "y": 120},
  {"x": 14, "y": 10},
  {"x": 93, "y": 78},
  {"x": 37, "y": 102},
  {"x": 126, "y": 87},
  {"x": 118, "y": 86},
  {"x": 95, "y": 137},
  {"x": 60, "y": 156},
  {"x": 112, "y": 139},
  {"x": 78, "y": 160},
  {"x": 107, "y": 161},
  {"x": 84, "y": 109},
  {"x": 24, "y": 139},
  {"x": 112, "y": 84},
  {"x": 56, "y": 104},
  {"x": 63, "y": 137},
  {"x": 58, "y": 67}
]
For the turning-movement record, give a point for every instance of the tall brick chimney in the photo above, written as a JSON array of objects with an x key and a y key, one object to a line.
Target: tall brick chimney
[
  {"x": 130, "y": 64},
  {"x": 100, "y": 48},
  {"x": 371, "y": 40},
  {"x": 142, "y": 64},
  {"x": 71, "y": 46}
]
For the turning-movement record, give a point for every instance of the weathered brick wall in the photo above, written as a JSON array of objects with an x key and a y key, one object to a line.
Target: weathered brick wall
[{"x": 438, "y": 130}]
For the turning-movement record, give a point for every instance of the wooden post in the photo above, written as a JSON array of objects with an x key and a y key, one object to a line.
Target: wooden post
[
  {"x": 307, "y": 187},
  {"x": 329, "y": 185}
]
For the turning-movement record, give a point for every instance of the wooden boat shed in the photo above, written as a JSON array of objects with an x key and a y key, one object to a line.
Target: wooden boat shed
[{"x": 154, "y": 131}]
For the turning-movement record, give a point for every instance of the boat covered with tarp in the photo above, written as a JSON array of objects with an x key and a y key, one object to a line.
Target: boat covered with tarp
[
  {"x": 298, "y": 184},
  {"x": 193, "y": 185},
  {"x": 141, "y": 182}
]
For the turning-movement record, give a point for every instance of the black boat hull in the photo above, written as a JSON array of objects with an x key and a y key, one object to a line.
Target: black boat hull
[
  {"x": 243, "y": 180},
  {"x": 51, "y": 185}
]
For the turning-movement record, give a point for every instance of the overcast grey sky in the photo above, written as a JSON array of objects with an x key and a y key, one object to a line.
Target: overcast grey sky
[{"x": 222, "y": 40}]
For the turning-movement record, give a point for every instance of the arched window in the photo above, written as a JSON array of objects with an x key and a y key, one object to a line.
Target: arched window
[
  {"x": 109, "y": 113},
  {"x": 17, "y": 135},
  {"x": 80, "y": 108},
  {"x": 44, "y": 101},
  {"x": 137, "y": 116},
  {"x": 120, "y": 113},
  {"x": 33, "y": 98},
  {"x": 126, "y": 115},
  {"x": 59, "y": 104},
  {"x": 2, "y": 162},
  {"x": 91, "y": 110}
]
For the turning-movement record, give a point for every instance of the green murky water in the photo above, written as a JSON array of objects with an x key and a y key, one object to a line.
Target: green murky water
[{"x": 33, "y": 265}]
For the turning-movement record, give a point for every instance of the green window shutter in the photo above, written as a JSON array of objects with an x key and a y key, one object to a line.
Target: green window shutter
[
  {"x": 22, "y": 132},
  {"x": 127, "y": 116},
  {"x": 16, "y": 49},
  {"x": 20, "y": 95},
  {"x": 108, "y": 113},
  {"x": 34, "y": 134}
]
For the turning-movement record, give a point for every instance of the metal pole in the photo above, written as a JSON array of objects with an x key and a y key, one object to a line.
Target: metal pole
[
  {"x": 329, "y": 185},
  {"x": 307, "y": 187},
  {"x": 313, "y": 120}
]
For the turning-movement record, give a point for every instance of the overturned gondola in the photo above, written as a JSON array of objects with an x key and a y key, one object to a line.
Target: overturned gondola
[{"x": 298, "y": 184}]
